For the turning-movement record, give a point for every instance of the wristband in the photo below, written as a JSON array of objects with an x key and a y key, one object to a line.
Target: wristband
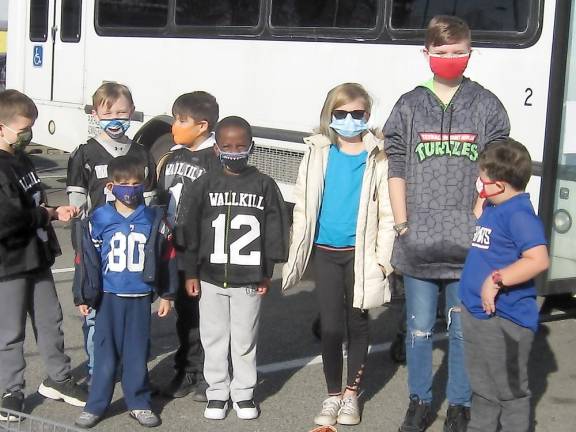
[
  {"x": 400, "y": 227},
  {"x": 497, "y": 279}
]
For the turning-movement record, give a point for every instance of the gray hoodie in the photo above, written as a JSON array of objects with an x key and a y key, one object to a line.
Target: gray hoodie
[{"x": 435, "y": 149}]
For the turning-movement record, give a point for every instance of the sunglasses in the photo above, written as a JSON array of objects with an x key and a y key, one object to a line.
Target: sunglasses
[{"x": 341, "y": 114}]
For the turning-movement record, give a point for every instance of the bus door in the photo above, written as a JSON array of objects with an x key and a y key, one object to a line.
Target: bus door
[
  {"x": 68, "y": 69},
  {"x": 38, "y": 50},
  {"x": 54, "y": 61}
]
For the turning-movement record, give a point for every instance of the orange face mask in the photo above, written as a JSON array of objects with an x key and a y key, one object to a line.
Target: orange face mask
[{"x": 185, "y": 135}]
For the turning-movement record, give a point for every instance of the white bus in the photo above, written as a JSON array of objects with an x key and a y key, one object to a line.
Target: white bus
[{"x": 272, "y": 62}]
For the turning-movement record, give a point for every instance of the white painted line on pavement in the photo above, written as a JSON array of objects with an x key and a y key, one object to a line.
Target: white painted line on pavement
[
  {"x": 52, "y": 176},
  {"x": 63, "y": 270},
  {"x": 310, "y": 361}
]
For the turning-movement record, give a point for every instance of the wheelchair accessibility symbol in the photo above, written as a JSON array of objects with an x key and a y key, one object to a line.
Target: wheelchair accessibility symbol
[{"x": 38, "y": 57}]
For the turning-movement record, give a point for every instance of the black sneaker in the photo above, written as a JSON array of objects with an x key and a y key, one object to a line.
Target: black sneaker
[
  {"x": 200, "y": 390},
  {"x": 68, "y": 391},
  {"x": 418, "y": 417},
  {"x": 181, "y": 385},
  {"x": 457, "y": 418},
  {"x": 12, "y": 401}
]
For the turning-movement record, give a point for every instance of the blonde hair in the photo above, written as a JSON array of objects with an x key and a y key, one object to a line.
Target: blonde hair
[
  {"x": 338, "y": 96},
  {"x": 108, "y": 93}
]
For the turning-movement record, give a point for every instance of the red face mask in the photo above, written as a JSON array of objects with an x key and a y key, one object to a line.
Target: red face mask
[
  {"x": 448, "y": 68},
  {"x": 481, "y": 188}
]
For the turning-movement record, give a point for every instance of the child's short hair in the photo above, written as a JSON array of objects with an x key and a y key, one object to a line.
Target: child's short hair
[
  {"x": 108, "y": 93},
  {"x": 234, "y": 121},
  {"x": 123, "y": 168},
  {"x": 507, "y": 160},
  {"x": 199, "y": 105},
  {"x": 13, "y": 103},
  {"x": 446, "y": 30}
]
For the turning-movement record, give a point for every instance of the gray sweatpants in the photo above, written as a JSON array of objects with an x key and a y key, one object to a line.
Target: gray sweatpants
[
  {"x": 33, "y": 295},
  {"x": 229, "y": 319},
  {"x": 497, "y": 352}
]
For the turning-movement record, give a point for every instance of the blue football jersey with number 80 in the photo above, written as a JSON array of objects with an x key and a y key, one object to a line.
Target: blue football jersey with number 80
[{"x": 121, "y": 242}]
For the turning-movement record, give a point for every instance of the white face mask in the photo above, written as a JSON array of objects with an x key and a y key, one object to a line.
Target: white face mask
[{"x": 479, "y": 185}]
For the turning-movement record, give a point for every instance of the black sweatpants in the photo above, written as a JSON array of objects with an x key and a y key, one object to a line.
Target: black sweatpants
[
  {"x": 334, "y": 275},
  {"x": 190, "y": 355}
]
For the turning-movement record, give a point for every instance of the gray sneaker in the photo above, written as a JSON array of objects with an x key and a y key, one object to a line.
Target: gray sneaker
[
  {"x": 329, "y": 412},
  {"x": 86, "y": 420},
  {"x": 146, "y": 418},
  {"x": 349, "y": 411}
]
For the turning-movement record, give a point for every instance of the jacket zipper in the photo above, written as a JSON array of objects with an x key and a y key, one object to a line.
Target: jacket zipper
[{"x": 226, "y": 245}]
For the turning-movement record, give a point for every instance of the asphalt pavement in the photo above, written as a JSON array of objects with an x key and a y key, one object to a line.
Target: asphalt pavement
[{"x": 291, "y": 384}]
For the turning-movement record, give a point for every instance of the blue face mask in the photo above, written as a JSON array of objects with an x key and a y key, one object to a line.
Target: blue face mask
[
  {"x": 348, "y": 127},
  {"x": 129, "y": 195},
  {"x": 235, "y": 162},
  {"x": 115, "y": 128}
]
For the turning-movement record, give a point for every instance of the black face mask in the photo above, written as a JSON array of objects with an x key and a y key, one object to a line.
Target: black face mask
[{"x": 235, "y": 162}]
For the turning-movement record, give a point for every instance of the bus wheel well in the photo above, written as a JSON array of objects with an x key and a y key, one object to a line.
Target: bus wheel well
[{"x": 153, "y": 130}]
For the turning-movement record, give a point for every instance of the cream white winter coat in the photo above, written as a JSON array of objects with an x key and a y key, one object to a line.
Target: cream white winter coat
[{"x": 374, "y": 230}]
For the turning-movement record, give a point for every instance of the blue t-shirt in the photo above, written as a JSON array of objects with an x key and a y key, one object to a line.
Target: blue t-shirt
[
  {"x": 121, "y": 242},
  {"x": 502, "y": 234},
  {"x": 339, "y": 209}
]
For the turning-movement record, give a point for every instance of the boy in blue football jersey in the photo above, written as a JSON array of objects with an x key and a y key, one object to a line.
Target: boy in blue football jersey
[
  {"x": 497, "y": 289},
  {"x": 131, "y": 246}
]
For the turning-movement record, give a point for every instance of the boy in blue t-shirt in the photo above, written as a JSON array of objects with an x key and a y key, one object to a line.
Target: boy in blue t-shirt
[
  {"x": 126, "y": 257},
  {"x": 497, "y": 289}
]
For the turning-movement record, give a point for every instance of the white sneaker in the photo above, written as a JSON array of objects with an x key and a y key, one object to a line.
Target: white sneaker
[
  {"x": 216, "y": 410},
  {"x": 329, "y": 412},
  {"x": 246, "y": 410},
  {"x": 349, "y": 411}
]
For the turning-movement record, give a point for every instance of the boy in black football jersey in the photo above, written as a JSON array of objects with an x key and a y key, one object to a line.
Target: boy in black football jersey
[
  {"x": 88, "y": 165},
  {"x": 28, "y": 247},
  {"x": 235, "y": 228},
  {"x": 195, "y": 115}
]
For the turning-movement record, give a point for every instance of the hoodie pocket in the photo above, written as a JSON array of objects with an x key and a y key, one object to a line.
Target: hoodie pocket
[{"x": 438, "y": 236}]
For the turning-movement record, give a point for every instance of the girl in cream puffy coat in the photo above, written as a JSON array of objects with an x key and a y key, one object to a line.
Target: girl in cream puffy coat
[{"x": 343, "y": 219}]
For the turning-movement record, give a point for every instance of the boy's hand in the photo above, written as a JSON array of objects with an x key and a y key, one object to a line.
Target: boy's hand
[
  {"x": 65, "y": 213},
  {"x": 488, "y": 295},
  {"x": 263, "y": 286},
  {"x": 164, "y": 308},
  {"x": 193, "y": 287},
  {"x": 84, "y": 309}
]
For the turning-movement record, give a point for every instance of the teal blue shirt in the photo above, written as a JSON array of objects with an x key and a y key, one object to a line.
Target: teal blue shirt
[{"x": 342, "y": 186}]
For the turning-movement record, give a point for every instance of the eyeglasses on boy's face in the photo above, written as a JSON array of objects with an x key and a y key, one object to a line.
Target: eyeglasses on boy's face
[{"x": 341, "y": 114}]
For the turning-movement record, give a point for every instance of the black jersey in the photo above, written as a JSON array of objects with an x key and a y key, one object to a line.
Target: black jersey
[
  {"x": 233, "y": 228},
  {"x": 27, "y": 240},
  {"x": 179, "y": 168},
  {"x": 88, "y": 170}
]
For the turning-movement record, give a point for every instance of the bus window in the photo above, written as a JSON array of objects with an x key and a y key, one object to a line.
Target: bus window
[
  {"x": 218, "y": 13},
  {"x": 354, "y": 14},
  {"x": 485, "y": 15},
  {"x": 71, "y": 20},
  {"x": 38, "y": 20},
  {"x": 132, "y": 13}
]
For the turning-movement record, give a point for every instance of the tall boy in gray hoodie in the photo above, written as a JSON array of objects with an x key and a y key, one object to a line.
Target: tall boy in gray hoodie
[{"x": 433, "y": 137}]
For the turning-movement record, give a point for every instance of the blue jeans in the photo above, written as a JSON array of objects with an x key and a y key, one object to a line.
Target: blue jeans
[
  {"x": 421, "y": 309},
  {"x": 88, "y": 330}
]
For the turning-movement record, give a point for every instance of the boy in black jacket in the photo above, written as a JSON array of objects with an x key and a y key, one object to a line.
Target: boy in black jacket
[
  {"x": 195, "y": 115},
  {"x": 28, "y": 246},
  {"x": 234, "y": 226}
]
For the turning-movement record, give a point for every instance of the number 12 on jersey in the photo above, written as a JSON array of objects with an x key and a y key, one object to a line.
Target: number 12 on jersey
[{"x": 221, "y": 233}]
